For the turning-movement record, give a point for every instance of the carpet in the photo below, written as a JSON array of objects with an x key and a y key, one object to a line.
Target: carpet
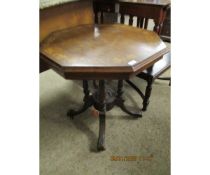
[{"x": 133, "y": 146}]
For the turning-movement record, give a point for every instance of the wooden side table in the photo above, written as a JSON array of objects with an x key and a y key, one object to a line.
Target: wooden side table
[
  {"x": 101, "y": 52},
  {"x": 149, "y": 9}
]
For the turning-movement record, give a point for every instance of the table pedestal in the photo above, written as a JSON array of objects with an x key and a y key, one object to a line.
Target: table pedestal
[{"x": 104, "y": 99}]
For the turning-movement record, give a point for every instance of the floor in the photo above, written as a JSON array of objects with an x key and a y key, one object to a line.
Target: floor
[{"x": 68, "y": 147}]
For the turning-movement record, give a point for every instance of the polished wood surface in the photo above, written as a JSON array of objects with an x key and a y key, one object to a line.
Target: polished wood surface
[
  {"x": 153, "y": 72},
  {"x": 100, "y": 52},
  {"x": 149, "y": 75},
  {"x": 64, "y": 16},
  {"x": 159, "y": 67},
  {"x": 103, "y": 51}
]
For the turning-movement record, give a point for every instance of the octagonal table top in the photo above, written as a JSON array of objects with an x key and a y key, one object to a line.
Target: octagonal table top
[{"x": 102, "y": 51}]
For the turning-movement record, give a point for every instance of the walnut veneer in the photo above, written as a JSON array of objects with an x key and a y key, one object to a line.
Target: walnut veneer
[{"x": 102, "y": 51}]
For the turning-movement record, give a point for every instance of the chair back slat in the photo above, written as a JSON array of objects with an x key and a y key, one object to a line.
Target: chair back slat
[
  {"x": 122, "y": 18},
  {"x": 141, "y": 22},
  {"x": 126, "y": 17},
  {"x": 102, "y": 18},
  {"x": 138, "y": 22},
  {"x": 145, "y": 23},
  {"x": 130, "y": 20},
  {"x": 96, "y": 18}
]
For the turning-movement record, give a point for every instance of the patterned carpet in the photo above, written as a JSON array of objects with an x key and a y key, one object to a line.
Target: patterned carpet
[{"x": 68, "y": 147}]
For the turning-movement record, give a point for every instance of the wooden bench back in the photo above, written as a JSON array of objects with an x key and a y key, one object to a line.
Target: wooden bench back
[{"x": 64, "y": 16}]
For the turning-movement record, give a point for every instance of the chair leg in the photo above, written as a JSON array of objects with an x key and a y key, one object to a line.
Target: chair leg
[
  {"x": 147, "y": 94},
  {"x": 165, "y": 78}
]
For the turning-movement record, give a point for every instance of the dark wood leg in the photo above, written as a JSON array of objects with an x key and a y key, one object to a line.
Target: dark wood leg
[
  {"x": 96, "y": 17},
  {"x": 147, "y": 94},
  {"x": 87, "y": 101},
  {"x": 120, "y": 102},
  {"x": 102, "y": 116},
  {"x": 135, "y": 88},
  {"x": 101, "y": 138},
  {"x": 165, "y": 78}
]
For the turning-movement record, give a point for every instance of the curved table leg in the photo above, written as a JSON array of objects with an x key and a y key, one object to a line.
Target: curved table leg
[
  {"x": 87, "y": 102},
  {"x": 102, "y": 117},
  {"x": 71, "y": 113},
  {"x": 120, "y": 101},
  {"x": 101, "y": 138},
  {"x": 147, "y": 94}
]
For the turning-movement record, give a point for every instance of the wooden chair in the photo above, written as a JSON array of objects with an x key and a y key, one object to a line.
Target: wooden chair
[
  {"x": 150, "y": 75},
  {"x": 158, "y": 68}
]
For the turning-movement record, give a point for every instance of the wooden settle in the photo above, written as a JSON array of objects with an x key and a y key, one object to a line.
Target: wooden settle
[{"x": 63, "y": 16}]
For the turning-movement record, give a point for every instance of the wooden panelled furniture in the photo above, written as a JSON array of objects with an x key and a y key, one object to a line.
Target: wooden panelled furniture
[
  {"x": 166, "y": 28},
  {"x": 142, "y": 10},
  {"x": 75, "y": 48},
  {"x": 53, "y": 18},
  {"x": 89, "y": 52}
]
